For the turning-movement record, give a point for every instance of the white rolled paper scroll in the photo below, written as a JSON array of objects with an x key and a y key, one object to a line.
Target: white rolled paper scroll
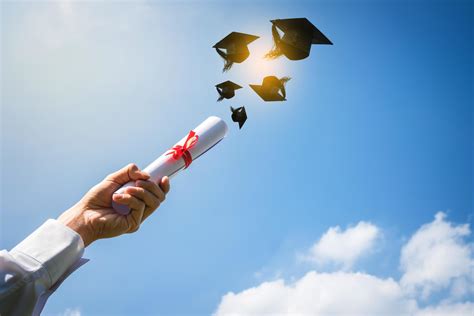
[{"x": 210, "y": 132}]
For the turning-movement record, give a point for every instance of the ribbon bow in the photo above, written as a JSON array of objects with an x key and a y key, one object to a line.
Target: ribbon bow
[{"x": 179, "y": 151}]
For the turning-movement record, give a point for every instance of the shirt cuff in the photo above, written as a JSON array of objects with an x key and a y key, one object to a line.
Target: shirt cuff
[{"x": 55, "y": 246}]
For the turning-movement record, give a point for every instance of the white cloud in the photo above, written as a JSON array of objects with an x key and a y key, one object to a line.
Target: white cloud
[
  {"x": 338, "y": 293},
  {"x": 72, "y": 312},
  {"x": 436, "y": 257},
  {"x": 353, "y": 293},
  {"x": 458, "y": 309},
  {"x": 344, "y": 247}
]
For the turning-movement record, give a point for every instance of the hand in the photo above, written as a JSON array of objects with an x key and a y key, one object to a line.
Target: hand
[{"x": 93, "y": 216}]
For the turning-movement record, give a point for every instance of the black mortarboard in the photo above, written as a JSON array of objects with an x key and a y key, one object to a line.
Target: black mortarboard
[
  {"x": 236, "y": 48},
  {"x": 226, "y": 90},
  {"x": 299, "y": 35},
  {"x": 272, "y": 88},
  {"x": 239, "y": 115}
]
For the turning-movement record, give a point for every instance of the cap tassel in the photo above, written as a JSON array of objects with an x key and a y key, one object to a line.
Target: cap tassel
[
  {"x": 221, "y": 97},
  {"x": 283, "y": 81},
  {"x": 275, "y": 52},
  {"x": 227, "y": 63}
]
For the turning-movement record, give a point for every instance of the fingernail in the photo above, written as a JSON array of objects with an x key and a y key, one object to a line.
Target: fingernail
[{"x": 118, "y": 196}]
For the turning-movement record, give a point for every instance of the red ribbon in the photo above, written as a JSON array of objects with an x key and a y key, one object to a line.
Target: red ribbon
[{"x": 179, "y": 151}]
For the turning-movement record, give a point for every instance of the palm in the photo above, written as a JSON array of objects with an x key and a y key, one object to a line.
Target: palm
[{"x": 99, "y": 211}]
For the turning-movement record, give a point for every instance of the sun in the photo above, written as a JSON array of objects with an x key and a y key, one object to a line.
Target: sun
[{"x": 256, "y": 67}]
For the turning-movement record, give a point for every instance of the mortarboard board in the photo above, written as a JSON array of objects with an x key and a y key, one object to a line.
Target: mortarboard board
[
  {"x": 239, "y": 115},
  {"x": 299, "y": 35},
  {"x": 271, "y": 88},
  {"x": 226, "y": 90},
  {"x": 236, "y": 48}
]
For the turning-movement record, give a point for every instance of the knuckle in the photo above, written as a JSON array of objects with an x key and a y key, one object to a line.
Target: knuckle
[
  {"x": 135, "y": 191},
  {"x": 154, "y": 186},
  {"x": 140, "y": 191},
  {"x": 141, "y": 206},
  {"x": 161, "y": 195},
  {"x": 146, "y": 184},
  {"x": 134, "y": 225}
]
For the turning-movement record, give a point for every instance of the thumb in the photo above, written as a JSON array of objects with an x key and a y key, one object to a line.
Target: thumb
[{"x": 128, "y": 173}]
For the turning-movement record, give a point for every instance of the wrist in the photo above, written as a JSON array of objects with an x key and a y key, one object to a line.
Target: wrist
[{"x": 75, "y": 220}]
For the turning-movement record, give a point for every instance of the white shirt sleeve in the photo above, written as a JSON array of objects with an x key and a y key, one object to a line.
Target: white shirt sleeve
[{"x": 32, "y": 270}]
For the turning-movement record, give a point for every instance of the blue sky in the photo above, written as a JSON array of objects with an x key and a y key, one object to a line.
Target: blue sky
[{"x": 377, "y": 128}]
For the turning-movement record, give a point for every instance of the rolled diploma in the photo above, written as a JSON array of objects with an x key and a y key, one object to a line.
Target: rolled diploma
[{"x": 210, "y": 132}]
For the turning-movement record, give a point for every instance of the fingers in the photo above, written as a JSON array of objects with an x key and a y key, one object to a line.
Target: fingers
[
  {"x": 128, "y": 173},
  {"x": 144, "y": 198},
  {"x": 157, "y": 194},
  {"x": 150, "y": 199},
  {"x": 153, "y": 188},
  {"x": 137, "y": 208},
  {"x": 165, "y": 184},
  {"x": 131, "y": 201}
]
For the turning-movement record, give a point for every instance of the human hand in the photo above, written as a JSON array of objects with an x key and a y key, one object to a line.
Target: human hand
[{"x": 93, "y": 216}]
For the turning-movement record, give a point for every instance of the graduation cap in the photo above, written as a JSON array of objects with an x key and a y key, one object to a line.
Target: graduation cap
[
  {"x": 236, "y": 50},
  {"x": 239, "y": 115},
  {"x": 226, "y": 90},
  {"x": 272, "y": 88},
  {"x": 299, "y": 35}
]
